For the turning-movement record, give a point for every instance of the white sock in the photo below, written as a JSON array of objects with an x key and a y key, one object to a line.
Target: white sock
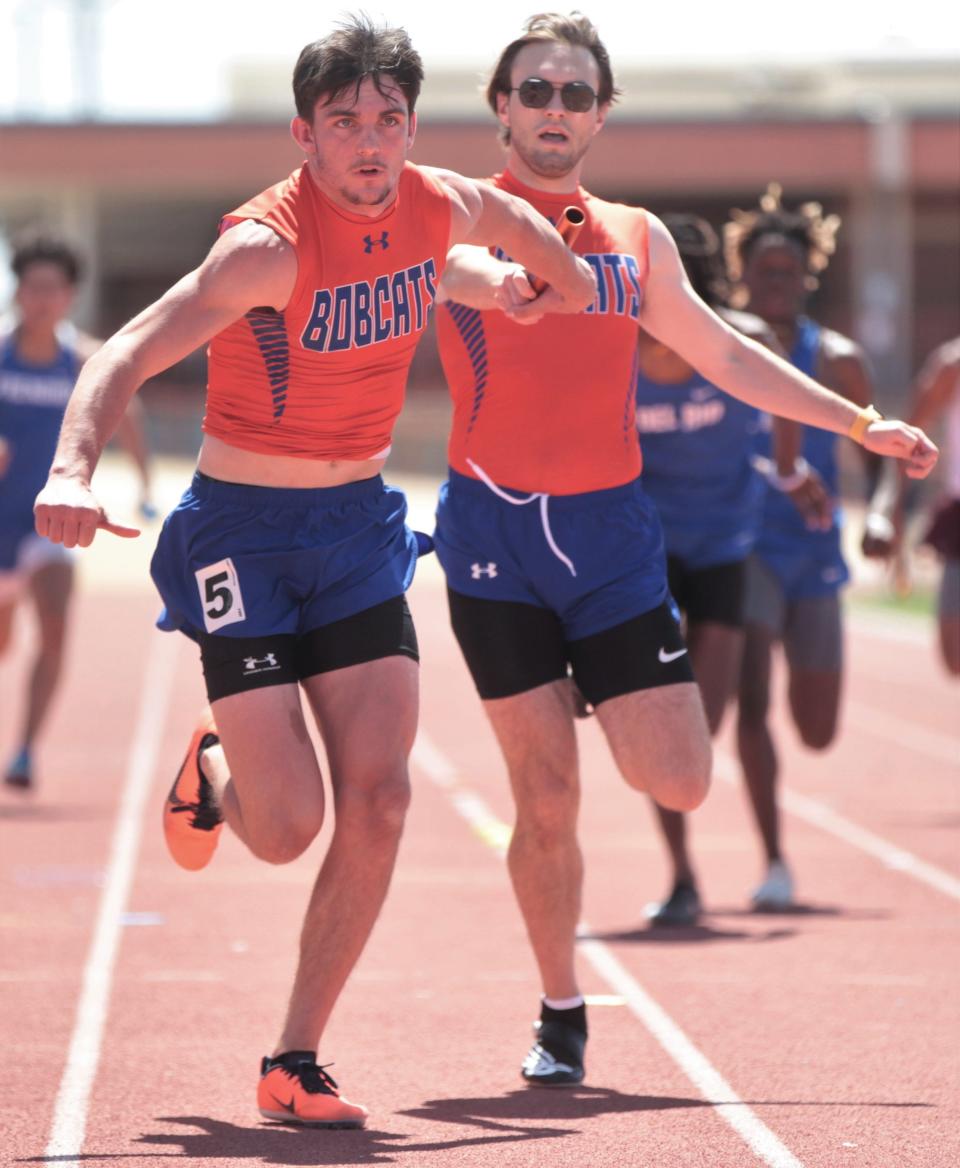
[{"x": 563, "y": 1003}]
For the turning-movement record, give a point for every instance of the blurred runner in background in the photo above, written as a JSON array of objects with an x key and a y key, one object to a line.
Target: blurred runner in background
[
  {"x": 41, "y": 355},
  {"x": 797, "y": 570},
  {"x": 936, "y": 398},
  {"x": 699, "y": 468}
]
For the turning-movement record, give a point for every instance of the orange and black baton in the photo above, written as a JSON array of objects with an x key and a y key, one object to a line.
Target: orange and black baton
[{"x": 569, "y": 226}]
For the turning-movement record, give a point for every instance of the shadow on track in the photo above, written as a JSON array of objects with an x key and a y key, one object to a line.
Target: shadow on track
[
  {"x": 52, "y": 813},
  {"x": 802, "y": 909},
  {"x": 215, "y": 1141},
  {"x": 517, "y": 1117},
  {"x": 685, "y": 934},
  {"x": 706, "y": 931},
  {"x": 503, "y": 1111}
]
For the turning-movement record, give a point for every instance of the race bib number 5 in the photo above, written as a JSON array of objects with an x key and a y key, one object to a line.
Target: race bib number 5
[{"x": 220, "y": 595}]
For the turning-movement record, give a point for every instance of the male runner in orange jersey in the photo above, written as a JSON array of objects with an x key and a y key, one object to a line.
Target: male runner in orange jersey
[
  {"x": 553, "y": 554},
  {"x": 287, "y": 559}
]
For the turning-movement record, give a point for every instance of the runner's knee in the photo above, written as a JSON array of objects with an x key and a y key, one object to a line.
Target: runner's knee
[
  {"x": 817, "y": 730},
  {"x": 815, "y": 706},
  {"x": 376, "y": 806},
  {"x": 286, "y": 835},
  {"x": 547, "y": 816},
  {"x": 683, "y": 790}
]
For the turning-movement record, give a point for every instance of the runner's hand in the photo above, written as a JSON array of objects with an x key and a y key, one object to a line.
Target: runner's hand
[
  {"x": 515, "y": 289},
  {"x": 549, "y": 300},
  {"x": 909, "y": 443},
  {"x": 814, "y": 502},
  {"x": 66, "y": 511}
]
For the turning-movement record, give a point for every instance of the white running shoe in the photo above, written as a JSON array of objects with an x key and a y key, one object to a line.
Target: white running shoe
[{"x": 776, "y": 891}]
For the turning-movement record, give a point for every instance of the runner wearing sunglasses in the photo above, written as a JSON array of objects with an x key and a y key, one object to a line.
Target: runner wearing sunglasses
[
  {"x": 553, "y": 552},
  {"x": 536, "y": 93}
]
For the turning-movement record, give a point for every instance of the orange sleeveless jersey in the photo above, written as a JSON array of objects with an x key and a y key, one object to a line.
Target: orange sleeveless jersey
[
  {"x": 550, "y": 407},
  {"x": 325, "y": 377}
]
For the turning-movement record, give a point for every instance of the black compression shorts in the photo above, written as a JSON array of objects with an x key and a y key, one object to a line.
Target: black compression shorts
[
  {"x": 237, "y": 664},
  {"x": 708, "y": 595},
  {"x": 511, "y": 647}
]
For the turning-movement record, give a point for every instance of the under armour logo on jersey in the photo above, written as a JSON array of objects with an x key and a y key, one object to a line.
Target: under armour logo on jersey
[
  {"x": 369, "y": 243},
  {"x": 258, "y": 664},
  {"x": 477, "y": 570}
]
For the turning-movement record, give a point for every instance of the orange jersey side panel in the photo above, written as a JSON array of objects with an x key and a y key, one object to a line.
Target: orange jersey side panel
[
  {"x": 325, "y": 377},
  {"x": 550, "y": 407}
]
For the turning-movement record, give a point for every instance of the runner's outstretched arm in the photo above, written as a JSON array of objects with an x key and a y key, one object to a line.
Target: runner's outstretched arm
[
  {"x": 675, "y": 315},
  {"x": 247, "y": 266}
]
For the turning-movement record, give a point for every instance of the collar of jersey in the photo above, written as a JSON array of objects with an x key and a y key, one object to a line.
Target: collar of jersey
[{"x": 509, "y": 182}]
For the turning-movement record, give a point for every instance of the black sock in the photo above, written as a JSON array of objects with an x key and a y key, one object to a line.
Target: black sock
[
  {"x": 575, "y": 1017},
  {"x": 291, "y": 1059}
]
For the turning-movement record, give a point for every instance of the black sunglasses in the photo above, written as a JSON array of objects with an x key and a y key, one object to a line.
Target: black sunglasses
[{"x": 536, "y": 93}]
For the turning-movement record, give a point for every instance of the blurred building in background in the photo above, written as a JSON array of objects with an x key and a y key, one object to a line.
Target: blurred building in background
[{"x": 876, "y": 142}]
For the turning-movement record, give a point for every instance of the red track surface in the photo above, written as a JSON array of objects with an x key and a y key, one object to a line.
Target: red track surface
[{"x": 836, "y": 1026}]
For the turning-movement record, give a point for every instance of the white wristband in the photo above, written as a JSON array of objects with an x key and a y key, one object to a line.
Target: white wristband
[
  {"x": 790, "y": 482},
  {"x": 879, "y": 526}
]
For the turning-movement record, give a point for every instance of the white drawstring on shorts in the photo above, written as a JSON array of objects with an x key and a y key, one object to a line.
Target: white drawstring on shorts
[{"x": 544, "y": 513}]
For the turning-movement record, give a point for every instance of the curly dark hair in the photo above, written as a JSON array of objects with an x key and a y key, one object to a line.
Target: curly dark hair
[
  {"x": 813, "y": 232},
  {"x": 39, "y": 247}
]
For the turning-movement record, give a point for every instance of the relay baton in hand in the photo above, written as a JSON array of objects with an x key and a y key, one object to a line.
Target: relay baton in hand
[{"x": 569, "y": 226}]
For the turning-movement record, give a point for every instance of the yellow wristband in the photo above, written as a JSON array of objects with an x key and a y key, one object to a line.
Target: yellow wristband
[{"x": 858, "y": 426}]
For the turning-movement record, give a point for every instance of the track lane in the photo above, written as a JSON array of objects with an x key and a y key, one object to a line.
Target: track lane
[
  {"x": 54, "y": 854},
  {"x": 834, "y": 1025},
  {"x": 856, "y": 987}
]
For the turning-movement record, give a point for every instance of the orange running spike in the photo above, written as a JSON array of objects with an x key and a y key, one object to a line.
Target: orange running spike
[
  {"x": 192, "y": 821},
  {"x": 304, "y": 1093}
]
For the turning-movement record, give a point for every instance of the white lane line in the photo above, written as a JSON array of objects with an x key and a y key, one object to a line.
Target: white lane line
[
  {"x": 694, "y": 1064},
  {"x": 73, "y": 1097},
  {"x": 905, "y": 734},
  {"x": 820, "y": 815}
]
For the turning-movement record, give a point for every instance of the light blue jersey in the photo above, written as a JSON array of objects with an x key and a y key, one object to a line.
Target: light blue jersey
[{"x": 697, "y": 444}]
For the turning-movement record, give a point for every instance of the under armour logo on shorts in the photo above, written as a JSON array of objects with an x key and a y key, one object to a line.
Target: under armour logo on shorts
[
  {"x": 369, "y": 243},
  {"x": 259, "y": 664},
  {"x": 477, "y": 570}
]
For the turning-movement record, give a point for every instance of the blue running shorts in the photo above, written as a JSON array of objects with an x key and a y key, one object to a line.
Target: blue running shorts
[
  {"x": 805, "y": 567},
  {"x": 23, "y": 552},
  {"x": 595, "y": 559},
  {"x": 246, "y": 561}
]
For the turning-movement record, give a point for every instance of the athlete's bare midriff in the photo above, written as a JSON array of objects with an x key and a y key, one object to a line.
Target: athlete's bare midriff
[{"x": 220, "y": 460}]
